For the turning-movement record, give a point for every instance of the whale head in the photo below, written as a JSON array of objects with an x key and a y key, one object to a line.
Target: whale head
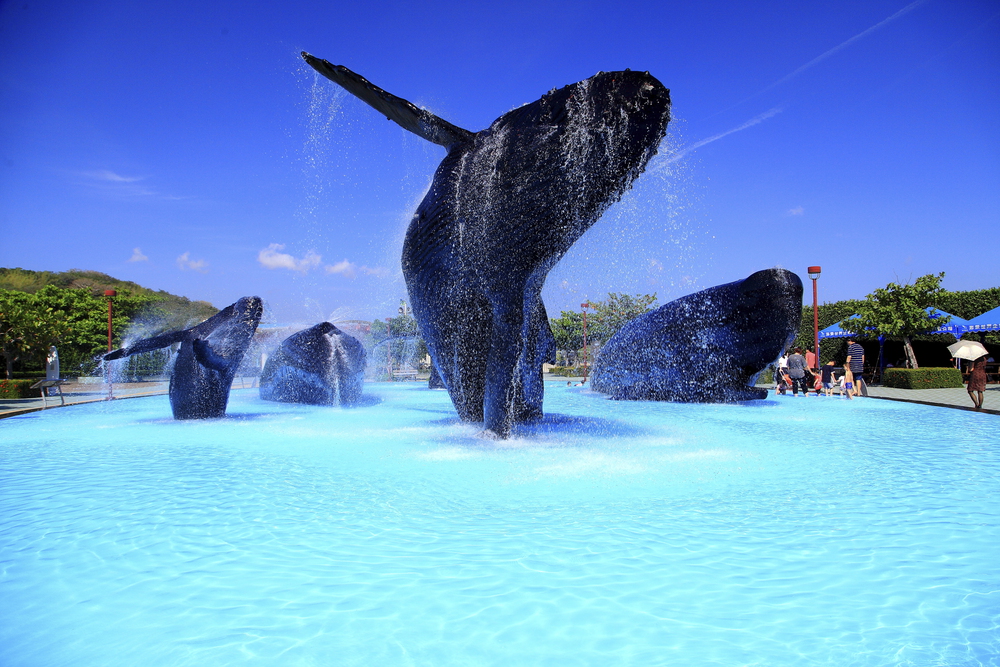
[{"x": 562, "y": 159}]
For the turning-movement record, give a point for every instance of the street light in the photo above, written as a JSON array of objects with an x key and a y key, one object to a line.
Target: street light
[
  {"x": 585, "y": 305},
  {"x": 110, "y": 294},
  {"x": 814, "y": 272}
]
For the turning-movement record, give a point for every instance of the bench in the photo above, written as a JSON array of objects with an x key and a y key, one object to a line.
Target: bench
[{"x": 44, "y": 386}]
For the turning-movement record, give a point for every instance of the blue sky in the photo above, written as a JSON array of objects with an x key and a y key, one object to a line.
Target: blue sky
[{"x": 186, "y": 146}]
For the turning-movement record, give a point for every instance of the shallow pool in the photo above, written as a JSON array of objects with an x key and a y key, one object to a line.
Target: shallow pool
[{"x": 793, "y": 531}]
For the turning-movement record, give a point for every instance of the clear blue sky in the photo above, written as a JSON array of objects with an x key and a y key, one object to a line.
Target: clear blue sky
[{"x": 185, "y": 145}]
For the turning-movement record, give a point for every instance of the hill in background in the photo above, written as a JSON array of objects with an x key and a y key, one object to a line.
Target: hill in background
[{"x": 180, "y": 311}]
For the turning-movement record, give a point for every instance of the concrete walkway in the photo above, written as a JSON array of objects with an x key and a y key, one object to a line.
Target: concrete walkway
[
  {"x": 945, "y": 398},
  {"x": 77, "y": 393}
]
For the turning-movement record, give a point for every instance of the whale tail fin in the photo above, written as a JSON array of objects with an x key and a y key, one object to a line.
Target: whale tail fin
[
  {"x": 408, "y": 116},
  {"x": 154, "y": 343}
]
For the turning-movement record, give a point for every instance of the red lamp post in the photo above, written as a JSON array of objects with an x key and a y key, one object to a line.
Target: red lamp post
[
  {"x": 585, "y": 305},
  {"x": 110, "y": 294},
  {"x": 814, "y": 272}
]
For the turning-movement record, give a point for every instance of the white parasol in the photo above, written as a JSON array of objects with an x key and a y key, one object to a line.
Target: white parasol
[{"x": 967, "y": 349}]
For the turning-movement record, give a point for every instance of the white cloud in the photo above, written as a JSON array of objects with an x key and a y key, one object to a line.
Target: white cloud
[
  {"x": 271, "y": 258},
  {"x": 843, "y": 45},
  {"x": 798, "y": 210},
  {"x": 184, "y": 263},
  {"x": 759, "y": 118},
  {"x": 112, "y": 177},
  {"x": 350, "y": 270},
  {"x": 137, "y": 256}
]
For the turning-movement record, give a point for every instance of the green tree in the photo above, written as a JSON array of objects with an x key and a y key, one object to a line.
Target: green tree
[
  {"x": 27, "y": 327},
  {"x": 396, "y": 329},
  {"x": 616, "y": 311},
  {"x": 605, "y": 320},
  {"x": 567, "y": 330},
  {"x": 899, "y": 311},
  {"x": 74, "y": 319}
]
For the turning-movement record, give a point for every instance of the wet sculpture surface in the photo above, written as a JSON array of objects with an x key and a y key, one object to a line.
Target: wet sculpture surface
[
  {"x": 208, "y": 358},
  {"x": 707, "y": 347},
  {"x": 505, "y": 205},
  {"x": 321, "y": 365}
]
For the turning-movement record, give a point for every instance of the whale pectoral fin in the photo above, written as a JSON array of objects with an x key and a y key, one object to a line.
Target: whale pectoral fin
[
  {"x": 154, "y": 343},
  {"x": 207, "y": 357},
  {"x": 405, "y": 114}
]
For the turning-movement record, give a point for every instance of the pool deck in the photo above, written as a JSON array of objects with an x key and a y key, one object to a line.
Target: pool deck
[{"x": 77, "y": 393}]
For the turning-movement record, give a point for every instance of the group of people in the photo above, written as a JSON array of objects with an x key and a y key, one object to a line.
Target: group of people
[{"x": 799, "y": 370}]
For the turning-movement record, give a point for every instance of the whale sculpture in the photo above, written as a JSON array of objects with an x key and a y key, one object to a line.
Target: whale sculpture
[
  {"x": 505, "y": 205},
  {"x": 706, "y": 347},
  {"x": 209, "y": 356},
  {"x": 321, "y": 365}
]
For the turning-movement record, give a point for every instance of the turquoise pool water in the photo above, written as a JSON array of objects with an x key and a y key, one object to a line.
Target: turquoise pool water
[{"x": 786, "y": 532}]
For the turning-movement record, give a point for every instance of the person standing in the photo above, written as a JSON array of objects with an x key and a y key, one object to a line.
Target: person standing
[
  {"x": 828, "y": 379},
  {"x": 811, "y": 360},
  {"x": 856, "y": 362},
  {"x": 977, "y": 381},
  {"x": 848, "y": 383},
  {"x": 780, "y": 371},
  {"x": 797, "y": 371}
]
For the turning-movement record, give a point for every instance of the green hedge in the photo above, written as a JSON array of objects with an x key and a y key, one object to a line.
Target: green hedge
[
  {"x": 568, "y": 371},
  {"x": 19, "y": 389},
  {"x": 922, "y": 378}
]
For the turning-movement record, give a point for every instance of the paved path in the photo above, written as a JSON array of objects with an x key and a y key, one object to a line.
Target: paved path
[
  {"x": 75, "y": 393},
  {"x": 947, "y": 398}
]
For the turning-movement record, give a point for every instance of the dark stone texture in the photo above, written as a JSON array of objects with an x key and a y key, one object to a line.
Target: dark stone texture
[
  {"x": 706, "y": 347},
  {"x": 505, "y": 205},
  {"x": 321, "y": 365},
  {"x": 209, "y": 356}
]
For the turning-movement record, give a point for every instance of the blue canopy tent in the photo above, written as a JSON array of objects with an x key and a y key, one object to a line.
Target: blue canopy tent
[
  {"x": 834, "y": 331},
  {"x": 955, "y": 326},
  {"x": 988, "y": 321}
]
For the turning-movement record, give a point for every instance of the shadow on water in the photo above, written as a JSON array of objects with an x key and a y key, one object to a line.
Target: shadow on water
[
  {"x": 572, "y": 430},
  {"x": 576, "y": 425}
]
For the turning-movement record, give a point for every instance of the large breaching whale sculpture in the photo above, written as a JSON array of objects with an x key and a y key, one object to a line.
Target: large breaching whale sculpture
[
  {"x": 209, "y": 357},
  {"x": 321, "y": 365},
  {"x": 706, "y": 347},
  {"x": 505, "y": 205}
]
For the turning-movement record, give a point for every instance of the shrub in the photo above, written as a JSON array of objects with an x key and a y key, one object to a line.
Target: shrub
[
  {"x": 567, "y": 371},
  {"x": 18, "y": 389},
  {"x": 922, "y": 378}
]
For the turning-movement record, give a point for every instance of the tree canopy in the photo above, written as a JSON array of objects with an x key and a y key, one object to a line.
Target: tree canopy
[
  {"x": 900, "y": 311},
  {"x": 75, "y": 319},
  {"x": 605, "y": 320}
]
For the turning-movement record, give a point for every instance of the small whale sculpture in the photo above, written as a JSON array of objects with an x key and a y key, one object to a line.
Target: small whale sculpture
[
  {"x": 209, "y": 356},
  {"x": 706, "y": 347},
  {"x": 505, "y": 205},
  {"x": 321, "y": 365}
]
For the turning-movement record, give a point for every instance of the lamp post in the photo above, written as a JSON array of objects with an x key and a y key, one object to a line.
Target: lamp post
[
  {"x": 110, "y": 294},
  {"x": 814, "y": 272},
  {"x": 585, "y": 305}
]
